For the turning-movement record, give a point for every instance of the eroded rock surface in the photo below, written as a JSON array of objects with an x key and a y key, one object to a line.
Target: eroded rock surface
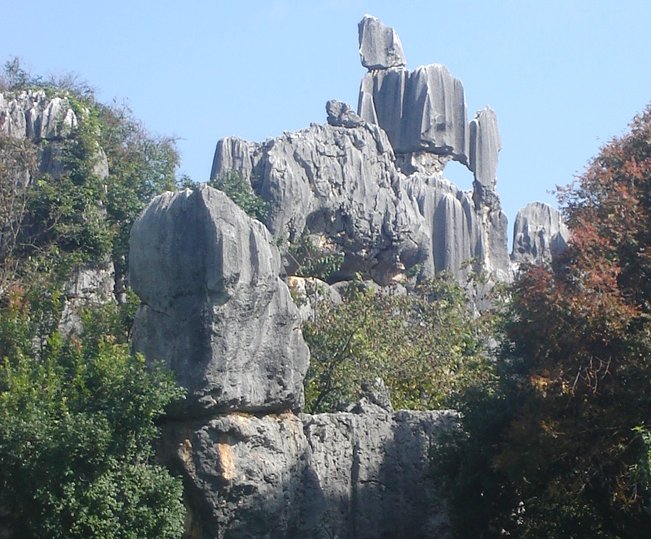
[
  {"x": 539, "y": 234},
  {"x": 214, "y": 309},
  {"x": 34, "y": 116},
  {"x": 361, "y": 475},
  {"x": 379, "y": 45}
]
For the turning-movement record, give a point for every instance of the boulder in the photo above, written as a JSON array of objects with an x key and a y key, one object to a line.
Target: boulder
[
  {"x": 243, "y": 474},
  {"x": 214, "y": 309},
  {"x": 341, "y": 115},
  {"x": 379, "y": 45}
]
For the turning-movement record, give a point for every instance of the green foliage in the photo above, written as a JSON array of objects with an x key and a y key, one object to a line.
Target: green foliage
[
  {"x": 78, "y": 414},
  {"x": 314, "y": 261},
  {"x": 77, "y": 421},
  {"x": 239, "y": 190},
  {"x": 563, "y": 443},
  {"x": 425, "y": 346}
]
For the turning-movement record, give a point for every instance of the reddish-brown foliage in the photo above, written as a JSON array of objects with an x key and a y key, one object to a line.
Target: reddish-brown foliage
[{"x": 582, "y": 330}]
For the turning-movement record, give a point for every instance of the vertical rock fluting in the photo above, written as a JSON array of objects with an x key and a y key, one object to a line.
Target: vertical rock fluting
[
  {"x": 213, "y": 307},
  {"x": 539, "y": 234}
]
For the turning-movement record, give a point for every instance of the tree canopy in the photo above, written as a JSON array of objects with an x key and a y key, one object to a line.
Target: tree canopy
[
  {"x": 560, "y": 447},
  {"x": 78, "y": 412}
]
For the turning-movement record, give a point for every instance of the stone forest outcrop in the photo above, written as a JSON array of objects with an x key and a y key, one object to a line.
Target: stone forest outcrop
[
  {"x": 367, "y": 186},
  {"x": 370, "y": 187}
]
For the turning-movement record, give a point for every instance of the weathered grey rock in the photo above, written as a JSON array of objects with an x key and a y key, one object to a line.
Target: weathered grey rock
[
  {"x": 34, "y": 116},
  {"x": 343, "y": 185},
  {"x": 213, "y": 307},
  {"x": 379, "y": 45},
  {"x": 341, "y": 115},
  {"x": 421, "y": 110},
  {"x": 89, "y": 285},
  {"x": 339, "y": 183},
  {"x": 370, "y": 474},
  {"x": 484, "y": 146},
  {"x": 234, "y": 154},
  {"x": 358, "y": 475},
  {"x": 243, "y": 474},
  {"x": 539, "y": 234}
]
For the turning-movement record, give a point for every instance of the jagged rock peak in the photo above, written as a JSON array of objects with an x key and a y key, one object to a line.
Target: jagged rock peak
[
  {"x": 421, "y": 110},
  {"x": 485, "y": 144},
  {"x": 539, "y": 234},
  {"x": 342, "y": 115},
  {"x": 32, "y": 115},
  {"x": 379, "y": 45}
]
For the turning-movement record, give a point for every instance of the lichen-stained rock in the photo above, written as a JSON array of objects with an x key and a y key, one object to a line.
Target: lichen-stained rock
[
  {"x": 379, "y": 45},
  {"x": 484, "y": 146},
  {"x": 369, "y": 474},
  {"x": 213, "y": 307},
  {"x": 243, "y": 474},
  {"x": 539, "y": 234}
]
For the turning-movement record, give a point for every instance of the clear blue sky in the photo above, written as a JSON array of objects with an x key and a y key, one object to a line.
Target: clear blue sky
[{"x": 564, "y": 76}]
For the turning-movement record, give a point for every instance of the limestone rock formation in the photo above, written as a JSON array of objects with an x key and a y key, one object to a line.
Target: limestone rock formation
[
  {"x": 214, "y": 309},
  {"x": 421, "y": 110},
  {"x": 343, "y": 185},
  {"x": 361, "y": 475},
  {"x": 91, "y": 284},
  {"x": 368, "y": 474},
  {"x": 372, "y": 186},
  {"x": 379, "y": 45},
  {"x": 34, "y": 116},
  {"x": 539, "y": 234},
  {"x": 484, "y": 146}
]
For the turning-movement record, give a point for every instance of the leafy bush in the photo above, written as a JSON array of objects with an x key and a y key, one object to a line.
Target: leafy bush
[
  {"x": 239, "y": 190},
  {"x": 78, "y": 414},
  {"x": 313, "y": 261},
  {"x": 77, "y": 421},
  {"x": 426, "y": 346}
]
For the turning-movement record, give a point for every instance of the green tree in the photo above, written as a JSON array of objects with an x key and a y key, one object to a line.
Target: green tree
[
  {"x": 567, "y": 448},
  {"x": 239, "y": 190},
  {"x": 77, "y": 422},
  {"x": 425, "y": 346}
]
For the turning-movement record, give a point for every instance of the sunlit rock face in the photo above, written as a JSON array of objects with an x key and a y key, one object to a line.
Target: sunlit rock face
[
  {"x": 213, "y": 306},
  {"x": 539, "y": 234}
]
